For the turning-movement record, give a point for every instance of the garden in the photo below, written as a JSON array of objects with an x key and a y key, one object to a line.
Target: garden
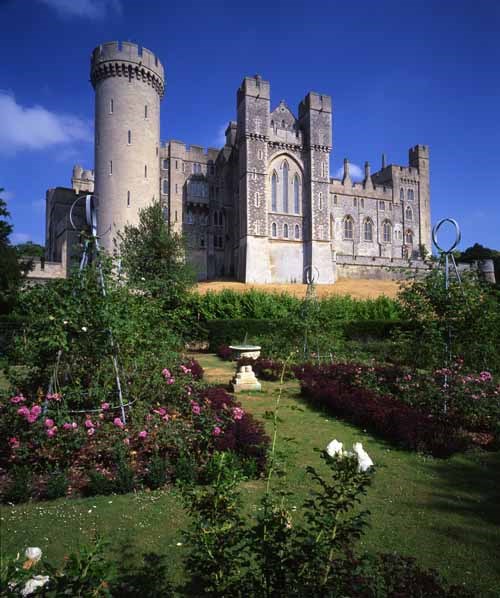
[{"x": 367, "y": 466}]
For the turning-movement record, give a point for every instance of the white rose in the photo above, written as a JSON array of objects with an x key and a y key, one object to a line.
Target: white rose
[
  {"x": 33, "y": 553},
  {"x": 84, "y": 328},
  {"x": 335, "y": 448},
  {"x": 364, "y": 460},
  {"x": 33, "y": 584}
]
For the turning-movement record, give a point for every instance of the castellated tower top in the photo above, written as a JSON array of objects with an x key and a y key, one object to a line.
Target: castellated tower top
[{"x": 124, "y": 59}]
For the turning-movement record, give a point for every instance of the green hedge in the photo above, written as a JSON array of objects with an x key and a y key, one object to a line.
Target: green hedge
[{"x": 226, "y": 332}]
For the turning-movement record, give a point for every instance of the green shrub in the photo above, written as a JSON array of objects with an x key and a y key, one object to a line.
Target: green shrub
[
  {"x": 98, "y": 484},
  {"x": 57, "y": 484},
  {"x": 156, "y": 475},
  {"x": 19, "y": 487}
]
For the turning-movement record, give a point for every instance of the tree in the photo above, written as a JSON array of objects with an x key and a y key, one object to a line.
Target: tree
[
  {"x": 478, "y": 252},
  {"x": 30, "y": 250},
  {"x": 154, "y": 258},
  {"x": 11, "y": 270}
]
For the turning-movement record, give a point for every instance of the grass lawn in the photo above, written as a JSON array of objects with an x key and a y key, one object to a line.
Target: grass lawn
[{"x": 445, "y": 513}]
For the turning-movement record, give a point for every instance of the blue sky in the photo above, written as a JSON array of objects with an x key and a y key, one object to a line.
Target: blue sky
[{"x": 400, "y": 73}]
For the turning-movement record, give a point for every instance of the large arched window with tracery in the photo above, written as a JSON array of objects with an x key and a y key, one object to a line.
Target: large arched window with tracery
[
  {"x": 274, "y": 192},
  {"x": 408, "y": 213},
  {"x": 285, "y": 186},
  {"x": 296, "y": 194}
]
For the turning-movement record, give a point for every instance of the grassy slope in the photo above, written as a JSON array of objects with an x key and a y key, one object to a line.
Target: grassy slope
[{"x": 442, "y": 512}]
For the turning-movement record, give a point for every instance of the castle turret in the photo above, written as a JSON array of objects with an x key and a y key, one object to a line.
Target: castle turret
[
  {"x": 419, "y": 158},
  {"x": 129, "y": 85}
]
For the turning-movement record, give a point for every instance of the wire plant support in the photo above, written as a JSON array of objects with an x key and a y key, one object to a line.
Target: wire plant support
[
  {"x": 91, "y": 249},
  {"x": 449, "y": 265}
]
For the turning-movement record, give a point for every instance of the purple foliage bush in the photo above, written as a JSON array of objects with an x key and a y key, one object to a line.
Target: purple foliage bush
[
  {"x": 338, "y": 388},
  {"x": 224, "y": 352}
]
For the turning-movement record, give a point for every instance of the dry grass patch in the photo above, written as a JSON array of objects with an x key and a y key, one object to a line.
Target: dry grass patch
[{"x": 358, "y": 289}]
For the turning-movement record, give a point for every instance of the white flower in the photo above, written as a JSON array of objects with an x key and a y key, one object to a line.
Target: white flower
[
  {"x": 364, "y": 460},
  {"x": 84, "y": 328},
  {"x": 33, "y": 553},
  {"x": 335, "y": 448},
  {"x": 65, "y": 322},
  {"x": 33, "y": 584}
]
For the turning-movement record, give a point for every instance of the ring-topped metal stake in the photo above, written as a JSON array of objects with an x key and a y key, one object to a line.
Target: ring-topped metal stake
[
  {"x": 92, "y": 245},
  {"x": 449, "y": 261}
]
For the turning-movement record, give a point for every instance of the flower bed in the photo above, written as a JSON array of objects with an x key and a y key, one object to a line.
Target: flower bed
[
  {"x": 48, "y": 451},
  {"x": 338, "y": 388}
]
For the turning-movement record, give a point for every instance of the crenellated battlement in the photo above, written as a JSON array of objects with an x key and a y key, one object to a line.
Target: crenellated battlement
[{"x": 124, "y": 59}]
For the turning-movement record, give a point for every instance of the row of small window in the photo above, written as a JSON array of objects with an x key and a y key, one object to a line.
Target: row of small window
[
  {"x": 112, "y": 108},
  {"x": 195, "y": 218},
  {"x": 286, "y": 231},
  {"x": 197, "y": 167},
  {"x": 368, "y": 231},
  {"x": 410, "y": 194}
]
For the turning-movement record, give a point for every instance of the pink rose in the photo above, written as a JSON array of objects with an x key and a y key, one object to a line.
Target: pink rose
[
  {"x": 14, "y": 443},
  {"x": 51, "y": 432},
  {"x": 166, "y": 417},
  {"x": 104, "y": 406},
  {"x": 195, "y": 408},
  {"x": 74, "y": 425},
  {"x": 118, "y": 422},
  {"x": 36, "y": 410},
  {"x": 170, "y": 380},
  {"x": 90, "y": 431},
  {"x": 17, "y": 399},
  {"x": 89, "y": 424},
  {"x": 143, "y": 434},
  {"x": 160, "y": 411},
  {"x": 53, "y": 397},
  {"x": 67, "y": 426},
  {"x": 24, "y": 411},
  {"x": 126, "y": 441},
  {"x": 238, "y": 413},
  {"x": 49, "y": 423},
  {"x": 216, "y": 431},
  {"x": 166, "y": 373}
]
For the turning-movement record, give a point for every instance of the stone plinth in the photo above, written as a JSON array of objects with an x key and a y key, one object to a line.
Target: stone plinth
[
  {"x": 251, "y": 351},
  {"x": 245, "y": 380}
]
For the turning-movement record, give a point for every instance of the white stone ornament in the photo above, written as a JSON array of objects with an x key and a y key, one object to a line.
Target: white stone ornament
[{"x": 364, "y": 460}]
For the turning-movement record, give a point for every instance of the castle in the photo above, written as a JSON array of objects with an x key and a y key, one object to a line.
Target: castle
[{"x": 263, "y": 208}]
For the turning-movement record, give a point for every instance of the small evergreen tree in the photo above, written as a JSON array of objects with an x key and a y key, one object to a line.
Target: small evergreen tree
[{"x": 154, "y": 258}]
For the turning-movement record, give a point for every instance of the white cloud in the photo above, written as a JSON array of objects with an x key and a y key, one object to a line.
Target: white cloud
[
  {"x": 87, "y": 9},
  {"x": 16, "y": 238},
  {"x": 36, "y": 127},
  {"x": 354, "y": 170}
]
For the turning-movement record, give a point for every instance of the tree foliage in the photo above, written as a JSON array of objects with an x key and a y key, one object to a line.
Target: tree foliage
[
  {"x": 153, "y": 257},
  {"x": 11, "y": 270}
]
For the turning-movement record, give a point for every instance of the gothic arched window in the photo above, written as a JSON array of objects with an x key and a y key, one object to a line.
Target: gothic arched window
[
  {"x": 296, "y": 194},
  {"x": 274, "y": 192},
  {"x": 401, "y": 194},
  {"x": 285, "y": 231},
  {"x": 387, "y": 231},
  {"x": 274, "y": 229},
  {"x": 408, "y": 213},
  {"x": 285, "y": 186},
  {"x": 411, "y": 195},
  {"x": 409, "y": 237},
  {"x": 368, "y": 230},
  {"x": 165, "y": 186},
  {"x": 348, "y": 228},
  {"x": 297, "y": 231}
]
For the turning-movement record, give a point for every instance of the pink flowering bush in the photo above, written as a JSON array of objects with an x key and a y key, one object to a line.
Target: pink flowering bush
[{"x": 101, "y": 452}]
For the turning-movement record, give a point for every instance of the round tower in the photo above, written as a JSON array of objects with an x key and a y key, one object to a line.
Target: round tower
[{"x": 129, "y": 85}]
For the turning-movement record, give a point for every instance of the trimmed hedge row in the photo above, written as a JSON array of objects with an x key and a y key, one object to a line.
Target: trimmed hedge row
[
  {"x": 226, "y": 332},
  {"x": 328, "y": 386}
]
